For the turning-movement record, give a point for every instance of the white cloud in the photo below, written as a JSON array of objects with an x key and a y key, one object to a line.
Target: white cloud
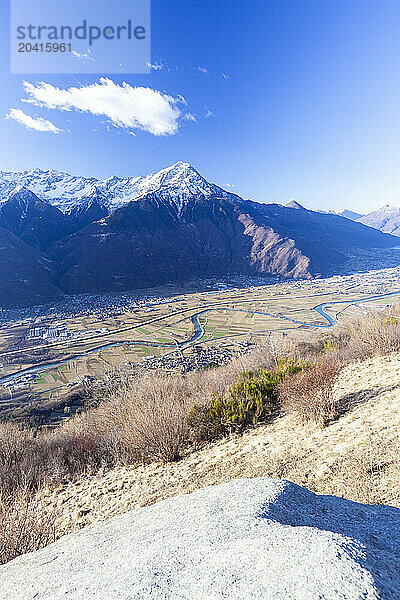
[
  {"x": 189, "y": 117},
  {"x": 230, "y": 185},
  {"x": 84, "y": 56},
  {"x": 209, "y": 113},
  {"x": 126, "y": 106},
  {"x": 38, "y": 124},
  {"x": 203, "y": 70},
  {"x": 157, "y": 66}
]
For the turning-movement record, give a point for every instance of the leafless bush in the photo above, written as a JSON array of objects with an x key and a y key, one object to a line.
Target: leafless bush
[
  {"x": 375, "y": 334},
  {"x": 310, "y": 392},
  {"x": 16, "y": 442},
  {"x": 140, "y": 422},
  {"x": 152, "y": 420},
  {"x": 28, "y": 460},
  {"x": 25, "y": 525}
]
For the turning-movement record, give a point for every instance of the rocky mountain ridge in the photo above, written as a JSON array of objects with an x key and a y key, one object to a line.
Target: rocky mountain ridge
[
  {"x": 68, "y": 193},
  {"x": 122, "y": 234},
  {"x": 386, "y": 219}
]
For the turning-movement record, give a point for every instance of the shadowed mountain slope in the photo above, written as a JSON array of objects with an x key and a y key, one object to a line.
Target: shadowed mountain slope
[
  {"x": 172, "y": 226},
  {"x": 26, "y": 276},
  {"x": 35, "y": 222}
]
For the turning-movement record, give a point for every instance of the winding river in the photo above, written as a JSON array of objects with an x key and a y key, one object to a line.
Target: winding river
[{"x": 198, "y": 333}]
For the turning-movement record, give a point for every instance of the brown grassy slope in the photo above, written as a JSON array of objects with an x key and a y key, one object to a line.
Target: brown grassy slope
[{"x": 355, "y": 456}]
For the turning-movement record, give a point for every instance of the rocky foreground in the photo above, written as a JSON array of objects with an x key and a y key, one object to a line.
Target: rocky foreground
[{"x": 250, "y": 538}]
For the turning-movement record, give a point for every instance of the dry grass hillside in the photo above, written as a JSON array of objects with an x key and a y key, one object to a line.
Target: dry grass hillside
[
  {"x": 323, "y": 412},
  {"x": 355, "y": 456}
]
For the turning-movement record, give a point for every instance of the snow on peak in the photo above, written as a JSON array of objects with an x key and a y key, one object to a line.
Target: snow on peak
[
  {"x": 176, "y": 184},
  {"x": 59, "y": 189},
  {"x": 18, "y": 189},
  {"x": 295, "y": 204},
  {"x": 386, "y": 210},
  {"x": 22, "y": 190},
  {"x": 22, "y": 194}
]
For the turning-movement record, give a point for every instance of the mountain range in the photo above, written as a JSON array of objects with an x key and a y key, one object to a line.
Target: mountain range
[
  {"x": 63, "y": 234},
  {"x": 386, "y": 219}
]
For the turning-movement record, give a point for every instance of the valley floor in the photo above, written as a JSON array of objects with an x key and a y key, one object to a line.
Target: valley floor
[{"x": 355, "y": 457}]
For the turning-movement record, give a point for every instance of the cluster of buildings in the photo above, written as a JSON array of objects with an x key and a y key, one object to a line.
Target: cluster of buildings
[
  {"x": 52, "y": 333},
  {"x": 201, "y": 357},
  {"x": 59, "y": 332}
]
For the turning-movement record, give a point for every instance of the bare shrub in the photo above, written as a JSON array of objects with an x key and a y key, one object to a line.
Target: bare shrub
[
  {"x": 138, "y": 423},
  {"x": 29, "y": 459},
  {"x": 152, "y": 420},
  {"x": 16, "y": 442},
  {"x": 374, "y": 334},
  {"x": 86, "y": 442},
  {"x": 25, "y": 525},
  {"x": 310, "y": 392}
]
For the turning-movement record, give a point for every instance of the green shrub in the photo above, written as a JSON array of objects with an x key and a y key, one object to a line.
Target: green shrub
[
  {"x": 329, "y": 346},
  {"x": 250, "y": 400},
  {"x": 391, "y": 321}
]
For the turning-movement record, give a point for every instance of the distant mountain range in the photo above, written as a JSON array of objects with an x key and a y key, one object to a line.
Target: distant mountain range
[
  {"x": 64, "y": 234},
  {"x": 350, "y": 214},
  {"x": 386, "y": 219}
]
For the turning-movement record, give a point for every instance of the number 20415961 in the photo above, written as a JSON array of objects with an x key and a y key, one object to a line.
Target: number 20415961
[{"x": 48, "y": 47}]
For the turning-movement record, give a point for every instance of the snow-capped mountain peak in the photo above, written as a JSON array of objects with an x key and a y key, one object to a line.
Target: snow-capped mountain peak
[
  {"x": 18, "y": 188},
  {"x": 23, "y": 195},
  {"x": 295, "y": 204},
  {"x": 58, "y": 189},
  {"x": 387, "y": 219},
  {"x": 176, "y": 184},
  {"x": 22, "y": 190}
]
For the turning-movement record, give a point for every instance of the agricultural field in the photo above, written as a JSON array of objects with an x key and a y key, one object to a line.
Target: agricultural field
[{"x": 50, "y": 351}]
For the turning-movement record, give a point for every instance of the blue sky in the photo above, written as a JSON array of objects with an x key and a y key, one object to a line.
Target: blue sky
[{"x": 284, "y": 99}]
